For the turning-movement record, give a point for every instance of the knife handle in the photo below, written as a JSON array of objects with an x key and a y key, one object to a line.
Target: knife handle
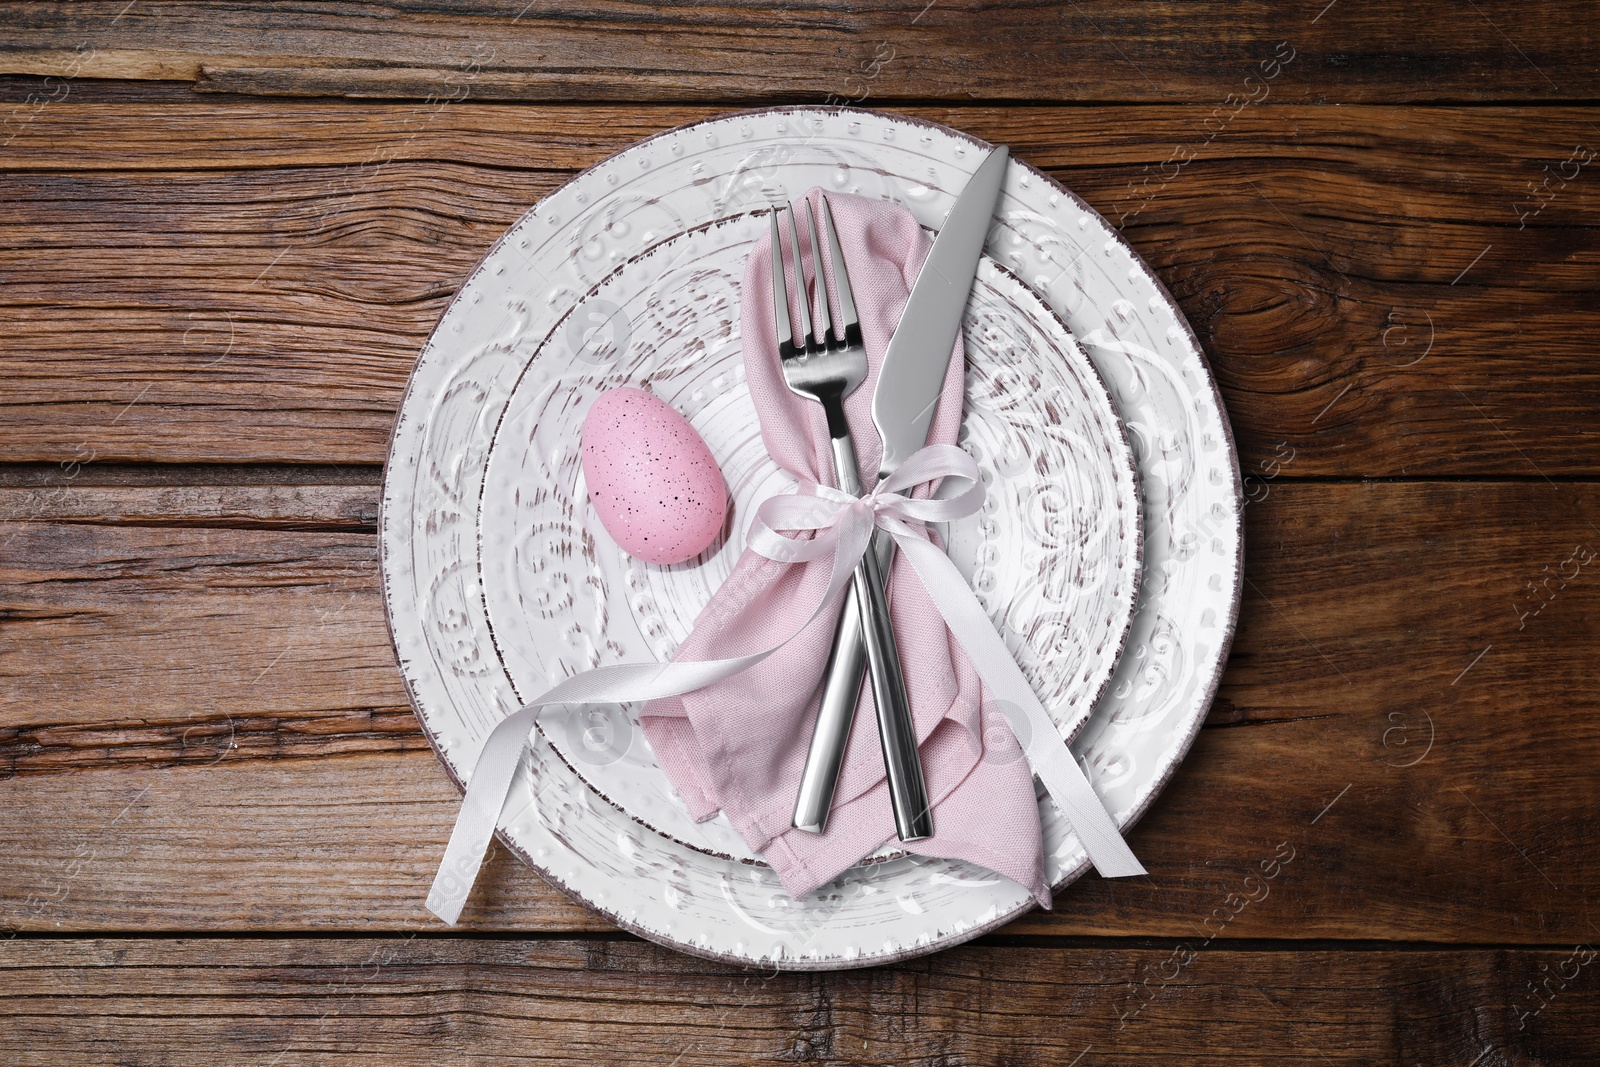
[
  {"x": 864, "y": 643},
  {"x": 908, "y": 793}
]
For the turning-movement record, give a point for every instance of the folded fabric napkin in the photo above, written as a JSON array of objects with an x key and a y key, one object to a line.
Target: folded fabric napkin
[{"x": 739, "y": 744}]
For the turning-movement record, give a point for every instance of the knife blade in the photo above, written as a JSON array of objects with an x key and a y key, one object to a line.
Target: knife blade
[
  {"x": 910, "y": 379},
  {"x": 913, "y": 369}
]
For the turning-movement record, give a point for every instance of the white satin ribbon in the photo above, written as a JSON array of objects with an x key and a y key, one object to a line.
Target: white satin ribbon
[{"x": 843, "y": 526}]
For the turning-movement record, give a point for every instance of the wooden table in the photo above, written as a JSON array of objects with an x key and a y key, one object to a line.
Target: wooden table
[{"x": 227, "y": 232}]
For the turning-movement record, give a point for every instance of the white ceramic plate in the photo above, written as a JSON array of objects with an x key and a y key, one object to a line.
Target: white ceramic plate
[
  {"x": 1054, "y": 554},
  {"x": 491, "y": 365}
]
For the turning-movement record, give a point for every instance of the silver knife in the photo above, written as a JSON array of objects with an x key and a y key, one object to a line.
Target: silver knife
[{"x": 910, "y": 380}]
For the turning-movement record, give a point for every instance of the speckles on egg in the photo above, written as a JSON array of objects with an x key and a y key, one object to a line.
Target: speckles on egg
[{"x": 652, "y": 480}]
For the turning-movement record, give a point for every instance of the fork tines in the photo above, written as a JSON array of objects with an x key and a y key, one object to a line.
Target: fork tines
[
  {"x": 825, "y": 334},
  {"x": 849, "y": 331}
]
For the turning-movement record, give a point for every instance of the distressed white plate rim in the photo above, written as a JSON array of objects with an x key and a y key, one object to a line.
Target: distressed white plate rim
[{"x": 1119, "y": 312}]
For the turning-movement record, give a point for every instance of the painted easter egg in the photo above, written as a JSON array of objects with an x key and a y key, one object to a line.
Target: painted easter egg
[{"x": 652, "y": 480}]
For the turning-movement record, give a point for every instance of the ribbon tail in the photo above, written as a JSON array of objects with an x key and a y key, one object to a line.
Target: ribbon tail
[
  {"x": 480, "y": 813},
  {"x": 502, "y": 751},
  {"x": 1050, "y": 759}
]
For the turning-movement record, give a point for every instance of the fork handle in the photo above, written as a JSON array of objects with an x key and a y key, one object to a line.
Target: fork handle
[
  {"x": 841, "y": 692},
  {"x": 908, "y": 792}
]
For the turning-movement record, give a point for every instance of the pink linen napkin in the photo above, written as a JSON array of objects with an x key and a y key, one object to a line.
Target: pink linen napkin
[{"x": 739, "y": 745}]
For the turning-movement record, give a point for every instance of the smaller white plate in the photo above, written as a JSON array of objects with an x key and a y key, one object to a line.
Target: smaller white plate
[{"x": 1054, "y": 555}]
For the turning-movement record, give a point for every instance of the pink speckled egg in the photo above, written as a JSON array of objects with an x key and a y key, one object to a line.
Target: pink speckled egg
[{"x": 654, "y": 484}]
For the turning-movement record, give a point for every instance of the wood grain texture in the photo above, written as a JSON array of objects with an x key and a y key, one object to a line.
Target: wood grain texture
[
  {"x": 765, "y": 50},
  {"x": 253, "y": 283},
  {"x": 1430, "y": 777},
  {"x": 212, "y": 284},
  {"x": 345, "y": 842},
  {"x": 169, "y": 613},
  {"x": 404, "y": 1002}
]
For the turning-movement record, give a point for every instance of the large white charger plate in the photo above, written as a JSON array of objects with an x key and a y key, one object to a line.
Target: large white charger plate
[{"x": 695, "y": 887}]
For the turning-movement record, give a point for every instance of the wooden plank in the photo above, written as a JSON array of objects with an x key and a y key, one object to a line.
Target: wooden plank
[
  {"x": 1408, "y": 694},
  {"x": 308, "y": 507},
  {"x": 252, "y": 283},
  {"x": 312, "y": 479},
  {"x": 191, "y": 622},
  {"x": 900, "y": 49},
  {"x": 235, "y": 841},
  {"x": 403, "y": 1002}
]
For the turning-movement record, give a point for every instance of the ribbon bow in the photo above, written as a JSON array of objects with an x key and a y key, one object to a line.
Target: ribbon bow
[{"x": 843, "y": 526}]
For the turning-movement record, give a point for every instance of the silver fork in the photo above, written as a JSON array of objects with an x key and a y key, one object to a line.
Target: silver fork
[{"x": 827, "y": 366}]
